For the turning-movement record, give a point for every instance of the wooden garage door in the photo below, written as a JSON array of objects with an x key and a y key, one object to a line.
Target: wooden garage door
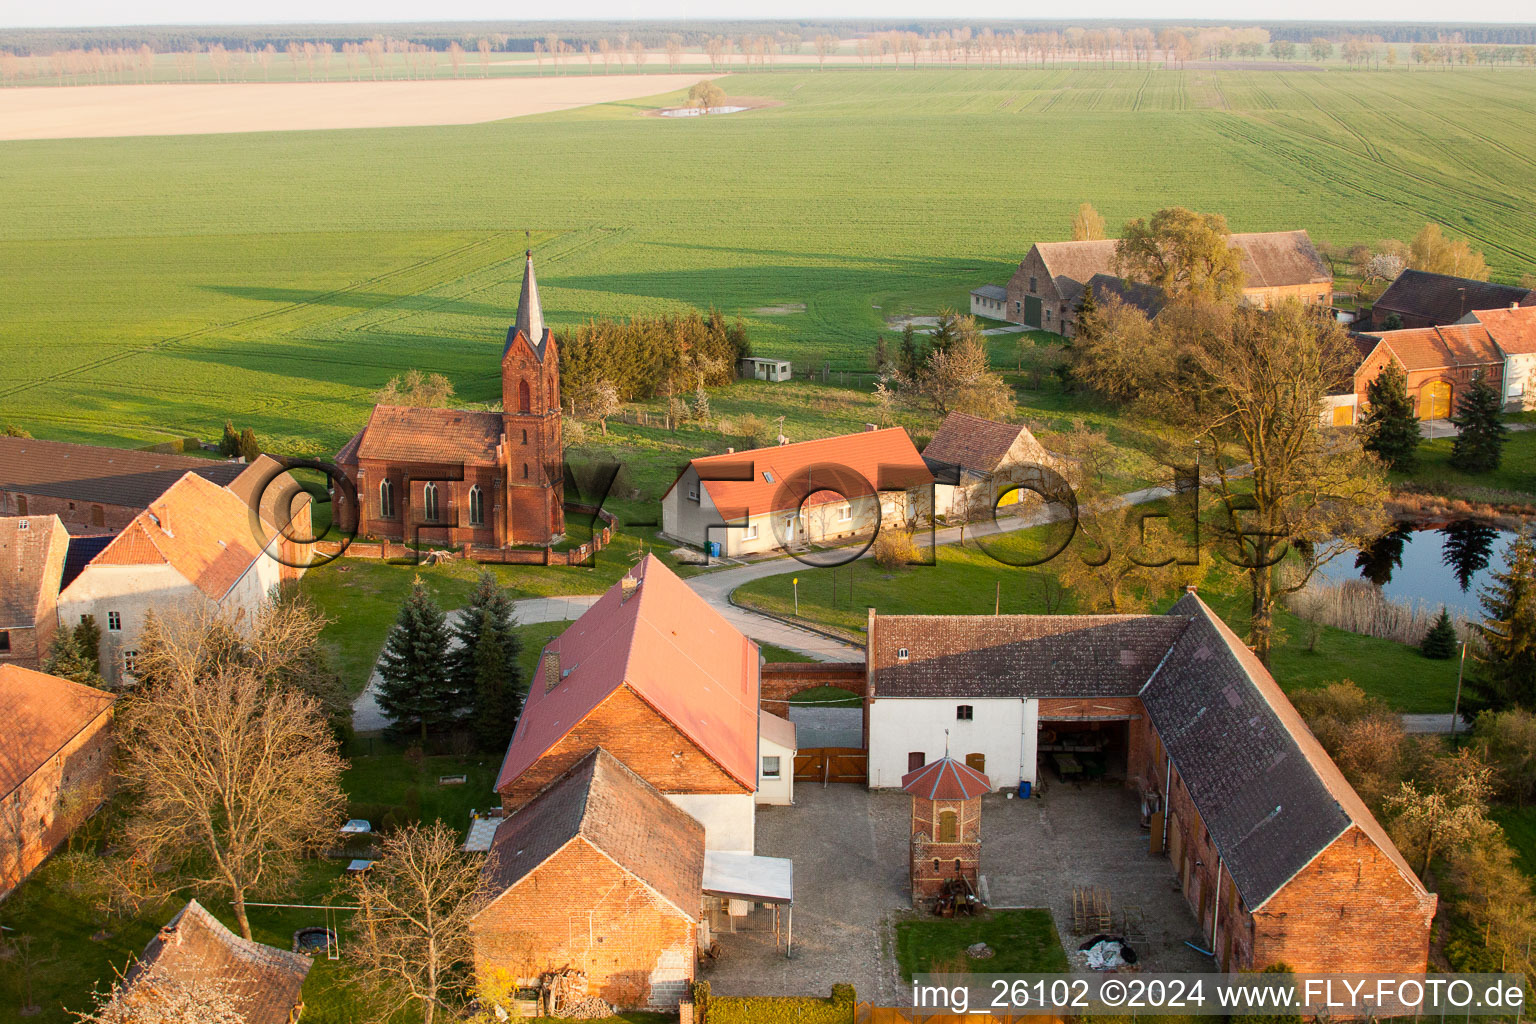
[
  {"x": 1031, "y": 311},
  {"x": 1435, "y": 400},
  {"x": 1343, "y": 415}
]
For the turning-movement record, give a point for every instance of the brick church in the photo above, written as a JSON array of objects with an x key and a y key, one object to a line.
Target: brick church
[{"x": 453, "y": 476}]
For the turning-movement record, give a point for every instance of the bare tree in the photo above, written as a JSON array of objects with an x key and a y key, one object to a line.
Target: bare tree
[
  {"x": 604, "y": 402},
  {"x": 674, "y": 52},
  {"x": 232, "y": 775},
  {"x": 414, "y": 388},
  {"x": 413, "y": 923},
  {"x": 637, "y": 51}
]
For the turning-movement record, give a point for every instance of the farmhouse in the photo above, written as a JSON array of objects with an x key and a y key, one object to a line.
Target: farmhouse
[
  {"x": 92, "y": 489},
  {"x": 659, "y": 679},
  {"x": 1513, "y": 331},
  {"x": 1045, "y": 290},
  {"x": 55, "y": 752},
  {"x": 1271, "y": 845},
  {"x": 453, "y": 476},
  {"x": 979, "y": 465},
  {"x": 761, "y": 368},
  {"x": 786, "y": 498},
  {"x": 32, "y": 554},
  {"x": 600, "y": 846},
  {"x": 194, "y": 544},
  {"x": 1439, "y": 362},
  {"x": 990, "y": 300},
  {"x": 1418, "y": 298},
  {"x": 195, "y": 951}
]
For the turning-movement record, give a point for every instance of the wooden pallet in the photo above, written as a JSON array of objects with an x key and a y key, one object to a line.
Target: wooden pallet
[{"x": 1091, "y": 910}]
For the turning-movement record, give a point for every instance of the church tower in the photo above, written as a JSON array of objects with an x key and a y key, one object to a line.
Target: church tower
[{"x": 533, "y": 503}]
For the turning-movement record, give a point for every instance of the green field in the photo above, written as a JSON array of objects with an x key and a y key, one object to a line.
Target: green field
[{"x": 157, "y": 286}]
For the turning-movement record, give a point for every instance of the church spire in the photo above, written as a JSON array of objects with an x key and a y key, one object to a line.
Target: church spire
[{"x": 530, "y": 316}]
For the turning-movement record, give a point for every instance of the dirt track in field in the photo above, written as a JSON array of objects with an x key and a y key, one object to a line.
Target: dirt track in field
[{"x": 105, "y": 111}]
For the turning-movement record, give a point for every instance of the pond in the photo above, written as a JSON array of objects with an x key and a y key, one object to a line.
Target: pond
[
  {"x": 1446, "y": 566},
  {"x": 696, "y": 112}
]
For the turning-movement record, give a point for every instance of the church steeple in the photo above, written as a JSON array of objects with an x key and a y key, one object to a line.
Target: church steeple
[{"x": 530, "y": 315}]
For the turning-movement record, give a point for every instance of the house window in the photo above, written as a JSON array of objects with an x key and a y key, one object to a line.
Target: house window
[
  {"x": 770, "y": 767},
  {"x": 751, "y": 533},
  {"x": 915, "y": 760},
  {"x": 1015, "y": 305},
  {"x": 386, "y": 500},
  {"x": 524, "y": 400},
  {"x": 844, "y": 514},
  {"x": 962, "y": 712},
  {"x": 525, "y": 471},
  {"x": 476, "y": 507},
  {"x": 525, "y": 437},
  {"x": 1047, "y": 316},
  {"x": 131, "y": 662},
  {"x": 1032, "y": 288},
  {"x": 901, "y": 654},
  {"x": 767, "y": 476},
  {"x": 693, "y": 492},
  {"x": 949, "y": 827},
  {"x": 429, "y": 503},
  {"x": 114, "y": 621},
  {"x": 5, "y": 641}
]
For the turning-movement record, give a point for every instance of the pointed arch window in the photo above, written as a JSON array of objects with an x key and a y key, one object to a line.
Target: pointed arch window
[
  {"x": 386, "y": 500},
  {"x": 525, "y": 471},
  {"x": 429, "y": 503},
  {"x": 525, "y": 436},
  {"x": 524, "y": 399},
  {"x": 476, "y": 507}
]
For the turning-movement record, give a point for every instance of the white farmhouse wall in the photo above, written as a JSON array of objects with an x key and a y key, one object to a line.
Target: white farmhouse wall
[
  {"x": 729, "y": 819},
  {"x": 1520, "y": 383},
  {"x": 1001, "y": 729},
  {"x": 780, "y": 791},
  {"x": 129, "y": 591}
]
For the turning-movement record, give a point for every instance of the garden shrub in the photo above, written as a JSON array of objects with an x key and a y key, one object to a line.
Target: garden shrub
[{"x": 776, "y": 1009}]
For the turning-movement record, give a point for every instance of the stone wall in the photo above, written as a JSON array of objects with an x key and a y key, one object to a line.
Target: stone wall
[{"x": 54, "y": 800}]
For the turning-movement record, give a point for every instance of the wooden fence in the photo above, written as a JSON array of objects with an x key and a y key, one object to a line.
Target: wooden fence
[{"x": 832, "y": 764}]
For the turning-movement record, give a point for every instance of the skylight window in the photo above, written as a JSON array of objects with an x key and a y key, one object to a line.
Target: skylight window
[{"x": 767, "y": 476}]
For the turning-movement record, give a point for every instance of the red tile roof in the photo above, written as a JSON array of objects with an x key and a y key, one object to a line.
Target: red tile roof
[
  {"x": 946, "y": 779},
  {"x": 42, "y": 714},
  {"x": 200, "y": 529},
  {"x": 1513, "y": 330},
  {"x": 672, "y": 650},
  {"x": 776, "y": 479},
  {"x": 602, "y": 801},
  {"x": 1430, "y": 348},
  {"x": 265, "y": 983},
  {"x": 971, "y": 442},
  {"x": 111, "y": 476},
  {"x": 31, "y": 565},
  {"x": 406, "y": 434}
]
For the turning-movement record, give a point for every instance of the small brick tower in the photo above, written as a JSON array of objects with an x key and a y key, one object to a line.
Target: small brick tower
[
  {"x": 530, "y": 403},
  {"x": 946, "y": 825}
]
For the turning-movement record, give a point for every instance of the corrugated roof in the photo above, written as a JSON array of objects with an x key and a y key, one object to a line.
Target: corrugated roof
[
  {"x": 977, "y": 444},
  {"x": 110, "y": 476},
  {"x": 200, "y": 529},
  {"x": 42, "y": 714},
  {"x": 1443, "y": 299},
  {"x": 602, "y": 801},
  {"x": 1018, "y": 655},
  {"x": 776, "y": 479},
  {"x": 672, "y": 650},
  {"x": 32, "y": 560},
  {"x": 404, "y": 433},
  {"x": 1513, "y": 330},
  {"x": 265, "y": 983},
  {"x": 946, "y": 779}
]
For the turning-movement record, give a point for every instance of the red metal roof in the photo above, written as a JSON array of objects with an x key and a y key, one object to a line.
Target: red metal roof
[
  {"x": 672, "y": 650},
  {"x": 777, "y": 479},
  {"x": 946, "y": 779}
]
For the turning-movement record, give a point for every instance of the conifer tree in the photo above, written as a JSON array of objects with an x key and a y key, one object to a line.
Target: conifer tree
[
  {"x": 229, "y": 447},
  {"x": 1467, "y": 546},
  {"x": 250, "y": 449},
  {"x": 1505, "y": 676},
  {"x": 67, "y": 659},
  {"x": 882, "y": 354},
  {"x": 1440, "y": 641},
  {"x": 484, "y": 666},
  {"x": 1479, "y": 446},
  {"x": 1391, "y": 430},
  {"x": 415, "y": 691},
  {"x": 1087, "y": 322}
]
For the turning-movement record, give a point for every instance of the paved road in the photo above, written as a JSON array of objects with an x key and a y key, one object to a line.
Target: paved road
[{"x": 1430, "y": 724}]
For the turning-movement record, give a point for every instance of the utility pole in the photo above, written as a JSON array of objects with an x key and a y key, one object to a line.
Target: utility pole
[
  {"x": 1456, "y": 708},
  {"x": 997, "y": 599}
]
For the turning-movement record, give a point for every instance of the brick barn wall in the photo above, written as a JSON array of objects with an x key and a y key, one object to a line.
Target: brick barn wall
[
  {"x": 54, "y": 800},
  {"x": 582, "y": 910},
  {"x": 1045, "y": 289},
  {"x": 1350, "y": 910},
  {"x": 926, "y": 879},
  {"x": 77, "y": 516},
  {"x": 631, "y": 730}
]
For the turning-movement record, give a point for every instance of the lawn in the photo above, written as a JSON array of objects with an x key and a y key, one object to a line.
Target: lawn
[
  {"x": 159, "y": 286},
  {"x": 1514, "y": 480},
  {"x": 1023, "y": 941}
]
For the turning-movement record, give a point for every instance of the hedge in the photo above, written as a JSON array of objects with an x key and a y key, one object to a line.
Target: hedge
[{"x": 838, "y": 1009}]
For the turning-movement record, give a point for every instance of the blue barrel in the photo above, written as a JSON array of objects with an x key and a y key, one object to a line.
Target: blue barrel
[
  {"x": 1024, "y": 790},
  {"x": 714, "y": 549}
]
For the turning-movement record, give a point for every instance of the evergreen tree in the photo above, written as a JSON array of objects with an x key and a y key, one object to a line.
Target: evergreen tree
[
  {"x": 882, "y": 353},
  {"x": 1087, "y": 307},
  {"x": 1505, "y": 676},
  {"x": 1391, "y": 430},
  {"x": 1480, "y": 444},
  {"x": 912, "y": 355},
  {"x": 229, "y": 447},
  {"x": 484, "y": 666},
  {"x": 1440, "y": 641},
  {"x": 415, "y": 690},
  {"x": 1377, "y": 561},
  {"x": 88, "y": 639},
  {"x": 1468, "y": 544},
  {"x": 250, "y": 450},
  {"x": 68, "y": 660}
]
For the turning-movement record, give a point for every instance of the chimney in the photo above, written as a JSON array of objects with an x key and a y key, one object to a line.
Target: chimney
[
  {"x": 551, "y": 670},
  {"x": 730, "y": 451},
  {"x": 627, "y": 587},
  {"x": 870, "y": 426},
  {"x": 1461, "y": 294},
  {"x": 1190, "y": 588}
]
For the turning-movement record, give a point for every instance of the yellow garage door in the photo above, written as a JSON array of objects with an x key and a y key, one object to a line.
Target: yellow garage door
[
  {"x": 1343, "y": 415},
  {"x": 1435, "y": 400}
]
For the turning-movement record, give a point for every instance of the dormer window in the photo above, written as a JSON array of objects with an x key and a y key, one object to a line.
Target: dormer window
[{"x": 901, "y": 654}]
